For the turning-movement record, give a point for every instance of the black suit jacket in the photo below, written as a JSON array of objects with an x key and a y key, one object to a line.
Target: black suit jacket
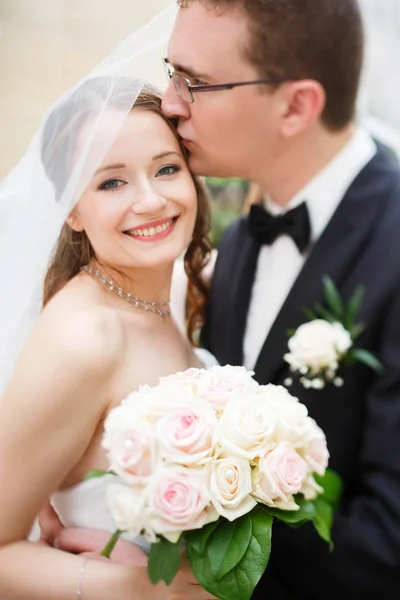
[{"x": 361, "y": 245}]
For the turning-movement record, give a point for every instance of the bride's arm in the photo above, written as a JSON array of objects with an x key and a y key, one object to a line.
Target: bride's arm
[{"x": 48, "y": 415}]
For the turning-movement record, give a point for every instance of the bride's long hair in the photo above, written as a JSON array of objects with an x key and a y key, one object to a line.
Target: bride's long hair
[{"x": 73, "y": 249}]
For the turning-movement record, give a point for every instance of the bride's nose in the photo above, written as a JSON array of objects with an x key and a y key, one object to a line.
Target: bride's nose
[{"x": 148, "y": 201}]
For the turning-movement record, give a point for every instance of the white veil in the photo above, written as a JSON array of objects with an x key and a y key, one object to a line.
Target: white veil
[
  {"x": 38, "y": 194},
  {"x": 379, "y": 98}
]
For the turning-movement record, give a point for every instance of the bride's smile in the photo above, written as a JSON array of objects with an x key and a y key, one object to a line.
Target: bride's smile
[{"x": 153, "y": 230}]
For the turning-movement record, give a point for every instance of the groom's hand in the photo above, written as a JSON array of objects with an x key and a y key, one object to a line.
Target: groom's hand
[
  {"x": 88, "y": 542},
  {"x": 50, "y": 526},
  {"x": 184, "y": 585}
]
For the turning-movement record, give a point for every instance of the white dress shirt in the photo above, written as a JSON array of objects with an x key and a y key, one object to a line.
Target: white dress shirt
[{"x": 280, "y": 263}]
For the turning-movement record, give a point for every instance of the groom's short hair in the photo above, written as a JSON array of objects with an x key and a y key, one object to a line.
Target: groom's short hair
[{"x": 307, "y": 39}]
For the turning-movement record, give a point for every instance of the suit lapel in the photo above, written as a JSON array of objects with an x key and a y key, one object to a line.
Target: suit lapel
[{"x": 334, "y": 254}]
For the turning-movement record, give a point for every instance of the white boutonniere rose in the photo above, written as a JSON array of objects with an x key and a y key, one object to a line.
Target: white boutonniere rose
[{"x": 317, "y": 348}]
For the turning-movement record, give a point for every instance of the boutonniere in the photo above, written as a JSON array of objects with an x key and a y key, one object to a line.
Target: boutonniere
[{"x": 317, "y": 348}]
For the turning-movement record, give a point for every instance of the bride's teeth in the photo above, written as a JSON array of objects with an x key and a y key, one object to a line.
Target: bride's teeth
[{"x": 152, "y": 230}]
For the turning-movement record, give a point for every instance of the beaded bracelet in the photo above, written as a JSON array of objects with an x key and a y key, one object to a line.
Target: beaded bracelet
[{"x": 81, "y": 576}]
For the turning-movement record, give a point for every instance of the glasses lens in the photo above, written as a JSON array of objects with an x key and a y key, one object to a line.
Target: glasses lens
[{"x": 182, "y": 88}]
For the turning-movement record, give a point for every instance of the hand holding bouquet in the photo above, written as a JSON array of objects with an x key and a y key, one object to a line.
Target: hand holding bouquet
[{"x": 207, "y": 459}]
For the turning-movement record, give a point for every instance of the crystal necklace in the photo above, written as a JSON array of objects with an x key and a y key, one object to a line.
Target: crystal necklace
[{"x": 155, "y": 307}]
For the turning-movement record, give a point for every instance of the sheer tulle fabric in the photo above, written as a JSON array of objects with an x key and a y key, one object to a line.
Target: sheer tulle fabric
[{"x": 39, "y": 193}]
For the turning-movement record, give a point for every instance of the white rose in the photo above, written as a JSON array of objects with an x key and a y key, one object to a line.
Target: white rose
[
  {"x": 279, "y": 476},
  {"x": 219, "y": 383},
  {"x": 310, "y": 488},
  {"x": 127, "y": 506},
  {"x": 291, "y": 416},
  {"x": 317, "y": 345},
  {"x": 186, "y": 432},
  {"x": 316, "y": 452},
  {"x": 247, "y": 425},
  {"x": 231, "y": 486},
  {"x": 158, "y": 401}
]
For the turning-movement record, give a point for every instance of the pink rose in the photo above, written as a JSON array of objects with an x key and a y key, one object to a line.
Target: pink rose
[
  {"x": 132, "y": 450},
  {"x": 186, "y": 433},
  {"x": 281, "y": 473},
  {"x": 179, "y": 501},
  {"x": 219, "y": 383},
  {"x": 192, "y": 375}
]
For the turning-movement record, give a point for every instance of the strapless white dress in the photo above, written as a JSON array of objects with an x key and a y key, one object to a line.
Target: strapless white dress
[{"x": 84, "y": 505}]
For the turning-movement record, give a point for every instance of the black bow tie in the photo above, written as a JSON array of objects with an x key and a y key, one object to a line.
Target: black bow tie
[{"x": 265, "y": 228}]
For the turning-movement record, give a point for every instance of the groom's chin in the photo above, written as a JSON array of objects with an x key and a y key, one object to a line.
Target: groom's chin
[
  {"x": 198, "y": 166},
  {"x": 203, "y": 167}
]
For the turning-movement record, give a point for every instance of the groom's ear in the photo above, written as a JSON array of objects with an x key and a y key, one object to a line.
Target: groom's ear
[
  {"x": 303, "y": 104},
  {"x": 74, "y": 220}
]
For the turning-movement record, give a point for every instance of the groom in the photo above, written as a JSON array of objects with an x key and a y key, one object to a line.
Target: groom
[
  {"x": 337, "y": 195},
  {"x": 291, "y": 130}
]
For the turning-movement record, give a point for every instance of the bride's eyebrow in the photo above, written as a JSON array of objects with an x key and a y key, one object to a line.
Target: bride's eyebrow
[{"x": 110, "y": 168}]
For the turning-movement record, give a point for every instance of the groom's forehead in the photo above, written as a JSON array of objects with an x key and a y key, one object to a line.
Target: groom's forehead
[{"x": 203, "y": 39}]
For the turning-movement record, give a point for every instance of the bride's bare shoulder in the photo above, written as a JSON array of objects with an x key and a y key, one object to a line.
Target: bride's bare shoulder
[{"x": 83, "y": 333}]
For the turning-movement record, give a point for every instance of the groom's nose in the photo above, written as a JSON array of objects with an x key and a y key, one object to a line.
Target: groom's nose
[{"x": 173, "y": 106}]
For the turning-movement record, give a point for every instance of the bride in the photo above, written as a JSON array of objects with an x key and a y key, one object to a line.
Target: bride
[{"x": 106, "y": 326}]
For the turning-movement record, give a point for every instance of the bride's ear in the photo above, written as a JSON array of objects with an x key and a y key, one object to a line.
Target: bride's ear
[{"x": 74, "y": 220}]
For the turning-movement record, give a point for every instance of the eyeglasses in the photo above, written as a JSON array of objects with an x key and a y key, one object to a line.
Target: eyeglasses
[{"x": 185, "y": 88}]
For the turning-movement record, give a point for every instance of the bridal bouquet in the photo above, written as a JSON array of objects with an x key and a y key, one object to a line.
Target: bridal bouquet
[{"x": 207, "y": 460}]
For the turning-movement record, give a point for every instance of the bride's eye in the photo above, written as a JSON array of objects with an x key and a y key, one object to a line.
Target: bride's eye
[
  {"x": 168, "y": 170},
  {"x": 111, "y": 184}
]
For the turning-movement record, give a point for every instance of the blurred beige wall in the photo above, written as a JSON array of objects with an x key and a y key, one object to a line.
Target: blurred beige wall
[{"x": 45, "y": 47}]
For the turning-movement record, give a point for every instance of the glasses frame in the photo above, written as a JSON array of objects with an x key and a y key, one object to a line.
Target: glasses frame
[{"x": 214, "y": 87}]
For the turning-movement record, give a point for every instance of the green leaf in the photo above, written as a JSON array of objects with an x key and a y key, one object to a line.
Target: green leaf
[
  {"x": 95, "y": 474},
  {"x": 227, "y": 545},
  {"x": 240, "y": 582},
  {"x": 109, "y": 547},
  {"x": 164, "y": 561},
  {"x": 332, "y": 297},
  {"x": 353, "y": 307},
  {"x": 305, "y": 513},
  {"x": 309, "y": 314},
  {"x": 323, "y": 520},
  {"x": 367, "y": 358},
  {"x": 332, "y": 484},
  {"x": 197, "y": 538},
  {"x": 356, "y": 330},
  {"x": 326, "y": 314}
]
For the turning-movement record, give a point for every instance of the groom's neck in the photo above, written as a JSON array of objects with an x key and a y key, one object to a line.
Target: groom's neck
[{"x": 298, "y": 161}]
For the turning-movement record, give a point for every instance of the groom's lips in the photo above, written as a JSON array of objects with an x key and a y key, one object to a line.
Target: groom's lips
[{"x": 186, "y": 143}]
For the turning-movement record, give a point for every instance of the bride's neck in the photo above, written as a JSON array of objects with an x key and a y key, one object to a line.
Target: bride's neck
[{"x": 151, "y": 284}]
